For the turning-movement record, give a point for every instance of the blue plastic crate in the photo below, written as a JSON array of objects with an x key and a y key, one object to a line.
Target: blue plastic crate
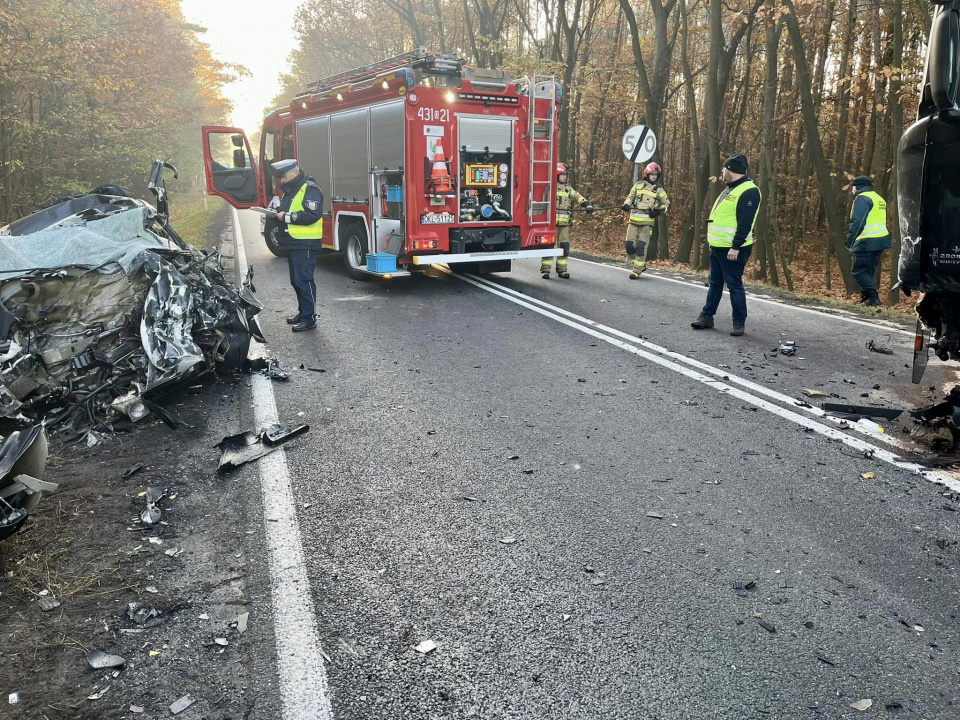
[
  {"x": 394, "y": 194},
  {"x": 381, "y": 262}
]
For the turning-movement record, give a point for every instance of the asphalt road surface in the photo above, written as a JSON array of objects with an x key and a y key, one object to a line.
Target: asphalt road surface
[{"x": 562, "y": 486}]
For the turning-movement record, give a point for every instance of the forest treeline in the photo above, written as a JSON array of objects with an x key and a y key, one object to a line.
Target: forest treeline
[
  {"x": 814, "y": 92},
  {"x": 92, "y": 91}
]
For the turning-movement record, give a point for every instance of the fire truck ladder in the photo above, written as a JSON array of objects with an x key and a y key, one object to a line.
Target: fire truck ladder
[
  {"x": 540, "y": 135},
  {"x": 419, "y": 59}
]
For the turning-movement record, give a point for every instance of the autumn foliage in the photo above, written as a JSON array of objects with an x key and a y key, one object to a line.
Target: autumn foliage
[{"x": 92, "y": 91}]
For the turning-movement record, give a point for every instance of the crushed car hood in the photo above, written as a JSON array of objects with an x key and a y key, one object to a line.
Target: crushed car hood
[{"x": 108, "y": 304}]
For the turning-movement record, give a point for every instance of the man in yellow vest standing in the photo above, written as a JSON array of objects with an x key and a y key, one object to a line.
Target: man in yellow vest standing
[
  {"x": 300, "y": 231},
  {"x": 730, "y": 235},
  {"x": 646, "y": 202},
  {"x": 567, "y": 198},
  {"x": 868, "y": 237}
]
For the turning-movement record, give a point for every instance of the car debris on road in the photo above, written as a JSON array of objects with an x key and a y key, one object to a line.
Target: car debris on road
[{"x": 23, "y": 457}]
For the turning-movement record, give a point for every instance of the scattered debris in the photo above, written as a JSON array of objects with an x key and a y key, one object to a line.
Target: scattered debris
[
  {"x": 13, "y": 698},
  {"x": 769, "y": 627},
  {"x": 868, "y": 475},
  {"x": 857, "y": 412},
  {"x": 142, "y": 615},
  {"x": 744, "y": 585},
  {"x": 97, "y": 694},
  {"x": 242, "y": 622},
  {"x": 23, "y": 457},
  {"x": 151, "y": 514},
  {"x": 221, "y": 641},
  {"x": 823, "y": 658},
  {"x": 788, "y": 347},
  {"x": 269, "y": 367},
  {"x": 654, "y": 514},
  {"x": 145, "y": 313},
  {"x": 182, "y": 704},
  {"x": 130, "y": 472},
  {"x": 239, "y": 449},
  {"x": 883, "y": 349},
  {"x": 425, "y": 647},
  {"x": 862, "y": 705},
  {"x": 894, "y": 704},
  {"x": 809, "y": 392},
  {"x": 48, "y": 603},
  {"x": 508, "y": 540},
  {"x": 137, "y": 709},
  {"x": 99, "y": 660}
]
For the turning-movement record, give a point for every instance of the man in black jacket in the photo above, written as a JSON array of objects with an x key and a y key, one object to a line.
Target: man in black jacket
[{"x": 300, "y": 231}]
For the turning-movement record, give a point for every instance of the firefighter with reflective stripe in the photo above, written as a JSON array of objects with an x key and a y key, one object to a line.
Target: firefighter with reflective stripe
[
  {"x": 300, "y": 232},
  {"x": 730, "y": 234},
  {"x": 645, "y": 203},
  {"x": 567, "y": 199},
  {"x": 868, "y": 237}
]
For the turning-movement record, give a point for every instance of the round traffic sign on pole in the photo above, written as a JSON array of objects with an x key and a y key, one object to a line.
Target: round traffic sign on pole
[{"x": 639, "y": 144}]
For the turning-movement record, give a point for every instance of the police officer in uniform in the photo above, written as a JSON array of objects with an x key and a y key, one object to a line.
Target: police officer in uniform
[
  {"x": 730, "y": 234},
  {"x": 300, "y": 232},
  {"x": 646, "y": 202},
  {"x": 868, "y": 237},
  {"x": 567, "y": 198}
]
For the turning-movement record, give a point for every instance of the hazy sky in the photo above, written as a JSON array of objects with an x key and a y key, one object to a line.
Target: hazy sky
[{"x": 257, "y": 35}]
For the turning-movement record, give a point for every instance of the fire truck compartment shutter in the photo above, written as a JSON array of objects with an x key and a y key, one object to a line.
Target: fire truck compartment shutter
[
  {"x": 313, "y": 153},
  {"x": 480, "y": 133},
  {"x": 351, "y": 162},
  {"x": 386, "y": 136}
]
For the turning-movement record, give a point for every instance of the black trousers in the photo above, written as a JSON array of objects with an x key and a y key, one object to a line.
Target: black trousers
[{"x": 302, "y": 263}]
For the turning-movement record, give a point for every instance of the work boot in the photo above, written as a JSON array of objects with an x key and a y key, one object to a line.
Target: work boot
[
  {"x": 872, "y": 302},
  {"x": 305, "y": 324},
  {"x": 564, "y": 274},
  {"x": 294, "y": 319},
  {"x": 702, "y": 323},
  {"x": 545, "y": 275},
  {"x": 737, "y": 330},
  {"x": 634, "y": 275}
]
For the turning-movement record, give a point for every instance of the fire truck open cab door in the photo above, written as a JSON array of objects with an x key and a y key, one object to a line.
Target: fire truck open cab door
[{"x": 229, "y": 167}]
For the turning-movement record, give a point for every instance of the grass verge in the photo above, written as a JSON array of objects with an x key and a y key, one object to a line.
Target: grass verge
[{"x": 191, "y": 219}]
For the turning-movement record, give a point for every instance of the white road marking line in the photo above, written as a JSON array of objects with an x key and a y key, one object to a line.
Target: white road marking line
[
  {"x": 881, "y": 327},
  {"x": 865, "y": 427},
  {"x": 303, "y": 677},
  {"x": 824, "y": 430}
]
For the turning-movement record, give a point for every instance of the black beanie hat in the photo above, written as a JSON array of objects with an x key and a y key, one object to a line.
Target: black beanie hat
[
  {"x": 737, "y": 163},
  {"x": 862, "y": 181}
]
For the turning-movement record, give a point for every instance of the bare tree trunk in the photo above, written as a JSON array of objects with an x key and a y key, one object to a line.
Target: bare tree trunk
[
  {"x": 828, "y": 189},
  {"x": 896, "y": 129}
]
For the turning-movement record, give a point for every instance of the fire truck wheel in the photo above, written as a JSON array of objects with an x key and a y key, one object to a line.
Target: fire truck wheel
[
  {"x": 355, "y": 254},
  {"x": 270, "y": 237}
]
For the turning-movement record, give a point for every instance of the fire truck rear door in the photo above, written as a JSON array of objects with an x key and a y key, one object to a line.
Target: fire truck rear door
[{"x": 229, "y": 167}]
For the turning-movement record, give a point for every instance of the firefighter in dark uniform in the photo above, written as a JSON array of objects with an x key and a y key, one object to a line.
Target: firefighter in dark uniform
[{"x": 300, "y": 232}]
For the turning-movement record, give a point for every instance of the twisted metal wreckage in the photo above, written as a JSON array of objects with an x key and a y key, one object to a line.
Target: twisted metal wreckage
[{"x": 103, "y": 309}]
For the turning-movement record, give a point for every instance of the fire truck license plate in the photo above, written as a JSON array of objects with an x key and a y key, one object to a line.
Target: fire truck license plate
[{"x": 437, "y": 219}]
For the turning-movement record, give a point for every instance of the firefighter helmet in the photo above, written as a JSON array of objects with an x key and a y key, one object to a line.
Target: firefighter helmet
[
  {"x": 652, "y": 169},
  {"x": 562, "y": 169}
]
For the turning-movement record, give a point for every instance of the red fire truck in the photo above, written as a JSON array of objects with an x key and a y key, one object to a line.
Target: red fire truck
[{"x": 421, "y": 159}]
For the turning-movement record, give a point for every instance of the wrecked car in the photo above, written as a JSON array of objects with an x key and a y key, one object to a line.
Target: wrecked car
[{"x": 104, "y": 308}]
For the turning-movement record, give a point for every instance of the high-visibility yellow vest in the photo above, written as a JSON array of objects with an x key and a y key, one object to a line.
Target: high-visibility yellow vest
[
  {"x": 304, "y": 232},
  {"x": 722, "y": 225},
  {"x": 876, "y": 225}
]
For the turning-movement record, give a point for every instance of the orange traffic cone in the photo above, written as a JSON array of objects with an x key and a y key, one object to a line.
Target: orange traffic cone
[{"x": 439, "y": 177}]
